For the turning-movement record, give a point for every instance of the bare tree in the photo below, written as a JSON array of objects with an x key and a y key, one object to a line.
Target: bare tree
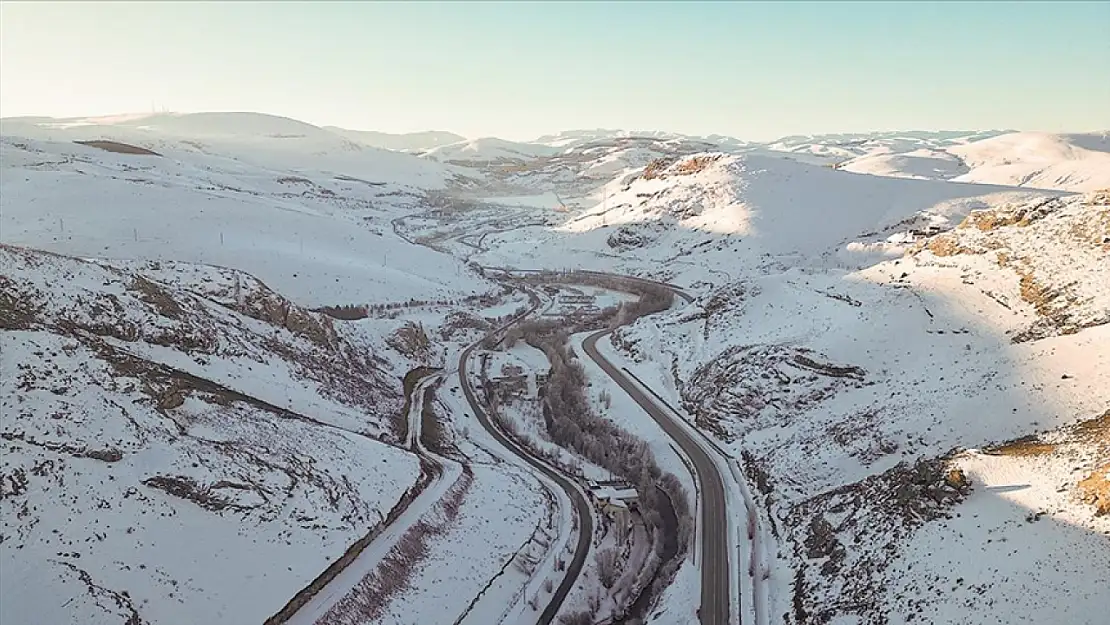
[
  {"x": 595, "y": 603},
  {"x": 607, "y": 569}
]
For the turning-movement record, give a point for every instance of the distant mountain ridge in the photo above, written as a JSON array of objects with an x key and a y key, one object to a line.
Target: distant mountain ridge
[
  {"x": 1070, "y": 162},
  {"x": 402, "y": 142}
]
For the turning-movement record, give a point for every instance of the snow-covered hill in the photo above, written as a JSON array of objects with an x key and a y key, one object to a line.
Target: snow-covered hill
[
  {"x": 487, "y": 150},
  {"x": 825, "y": 380},
  {"x": 576, "y": 163},
  {"x": 923, "y": 163},
  {"x": 848, "y": 145},
  {"x": 321, "y": 238},
  {"x": 1038, "y": 160},
  {"x": 910, "y": 363},
  {"x": 1074, "y": 162},
  {"x": 403, "y": 142},
  {"x": 734, "y": 213},
  {"x": 572, "y": 138},
  {"x": 785, "y": 206},
  {"x": 181, "y": 442},
  {"x": 243, "y": 127},
  {"x": 254, "y": 139},
  {"x": 577, "y": 170}
]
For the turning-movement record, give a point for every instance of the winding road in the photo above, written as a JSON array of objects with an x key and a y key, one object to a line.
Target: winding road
[
  {"x": 714, "y": 529},
  {"x": 715, "y": 551},
  {"x": 715, "y": 582},
  {"x": 342, "y": 576},
  {"x": 581, "y": 505}
]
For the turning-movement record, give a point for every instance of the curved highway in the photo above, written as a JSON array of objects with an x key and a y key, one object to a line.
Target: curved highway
[
  {"x": 715, "y": 580},
  {"x": 585, "y": 517},
  {"x": 715, "y": 584}
]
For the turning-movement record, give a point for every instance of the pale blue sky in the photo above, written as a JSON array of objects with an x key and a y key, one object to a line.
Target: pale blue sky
[{"x": 518, "y": 70}]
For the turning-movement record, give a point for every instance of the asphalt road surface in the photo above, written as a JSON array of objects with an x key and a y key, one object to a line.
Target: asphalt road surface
[
  {"x": 715, "y": 586},
  {"x": 585, "y": 518}
]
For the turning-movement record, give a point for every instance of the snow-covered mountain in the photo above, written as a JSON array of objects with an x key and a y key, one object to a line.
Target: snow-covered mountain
[
  {"x": 923, "y": 163},
  {"x": 879, "y": 142},
  {"x": 846, "y": 393},
  {"x": 575, "y": 170},
  {"x": 577, "y": 162},
  {"x": 255, "y": 139},
  {"x": 321, "y": 237},
  {"x": 901, "y": 339},
  {"x": 1029, "y": 159},
  {"x": 852, "y": 330},
  {"x": 734, "y": 212},
  {"x": 403, "y": 142},
  {"x": 1078, "y": 162},
  {"x": 486, "y": 151},
  {"x": 181, "y": 440},
  {"x": 571, "y": 138}
]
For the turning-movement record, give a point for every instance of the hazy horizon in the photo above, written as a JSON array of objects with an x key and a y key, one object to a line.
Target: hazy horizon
[
  {"x": 145, "y": 114},
  {"x": 755, "y": 71}
]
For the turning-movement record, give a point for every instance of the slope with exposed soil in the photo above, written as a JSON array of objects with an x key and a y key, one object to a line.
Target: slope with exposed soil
[
  {"x": 171, "y": 447},
  {"x": 851, "y": 394}
]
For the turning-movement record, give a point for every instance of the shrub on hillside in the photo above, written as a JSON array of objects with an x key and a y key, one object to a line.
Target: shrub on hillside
[{"x": 349, "y": 312}]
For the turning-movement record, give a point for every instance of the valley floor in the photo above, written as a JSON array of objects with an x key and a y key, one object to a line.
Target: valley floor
[{"x": 897, "y": 351}]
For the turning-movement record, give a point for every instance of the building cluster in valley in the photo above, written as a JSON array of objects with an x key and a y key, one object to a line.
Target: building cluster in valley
[
  {"x": 513, "y": 382},
  {"x": 572, "y": 303},
  {"x": 616, "y": 499}
]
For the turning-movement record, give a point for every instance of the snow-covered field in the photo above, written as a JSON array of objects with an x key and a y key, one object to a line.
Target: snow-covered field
[
  {"x": 902, "y": 338},
  {"x": 500, "y": 517},
  {"x": 522, "y": 547},
  {"x": 316, "y": 235}
]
